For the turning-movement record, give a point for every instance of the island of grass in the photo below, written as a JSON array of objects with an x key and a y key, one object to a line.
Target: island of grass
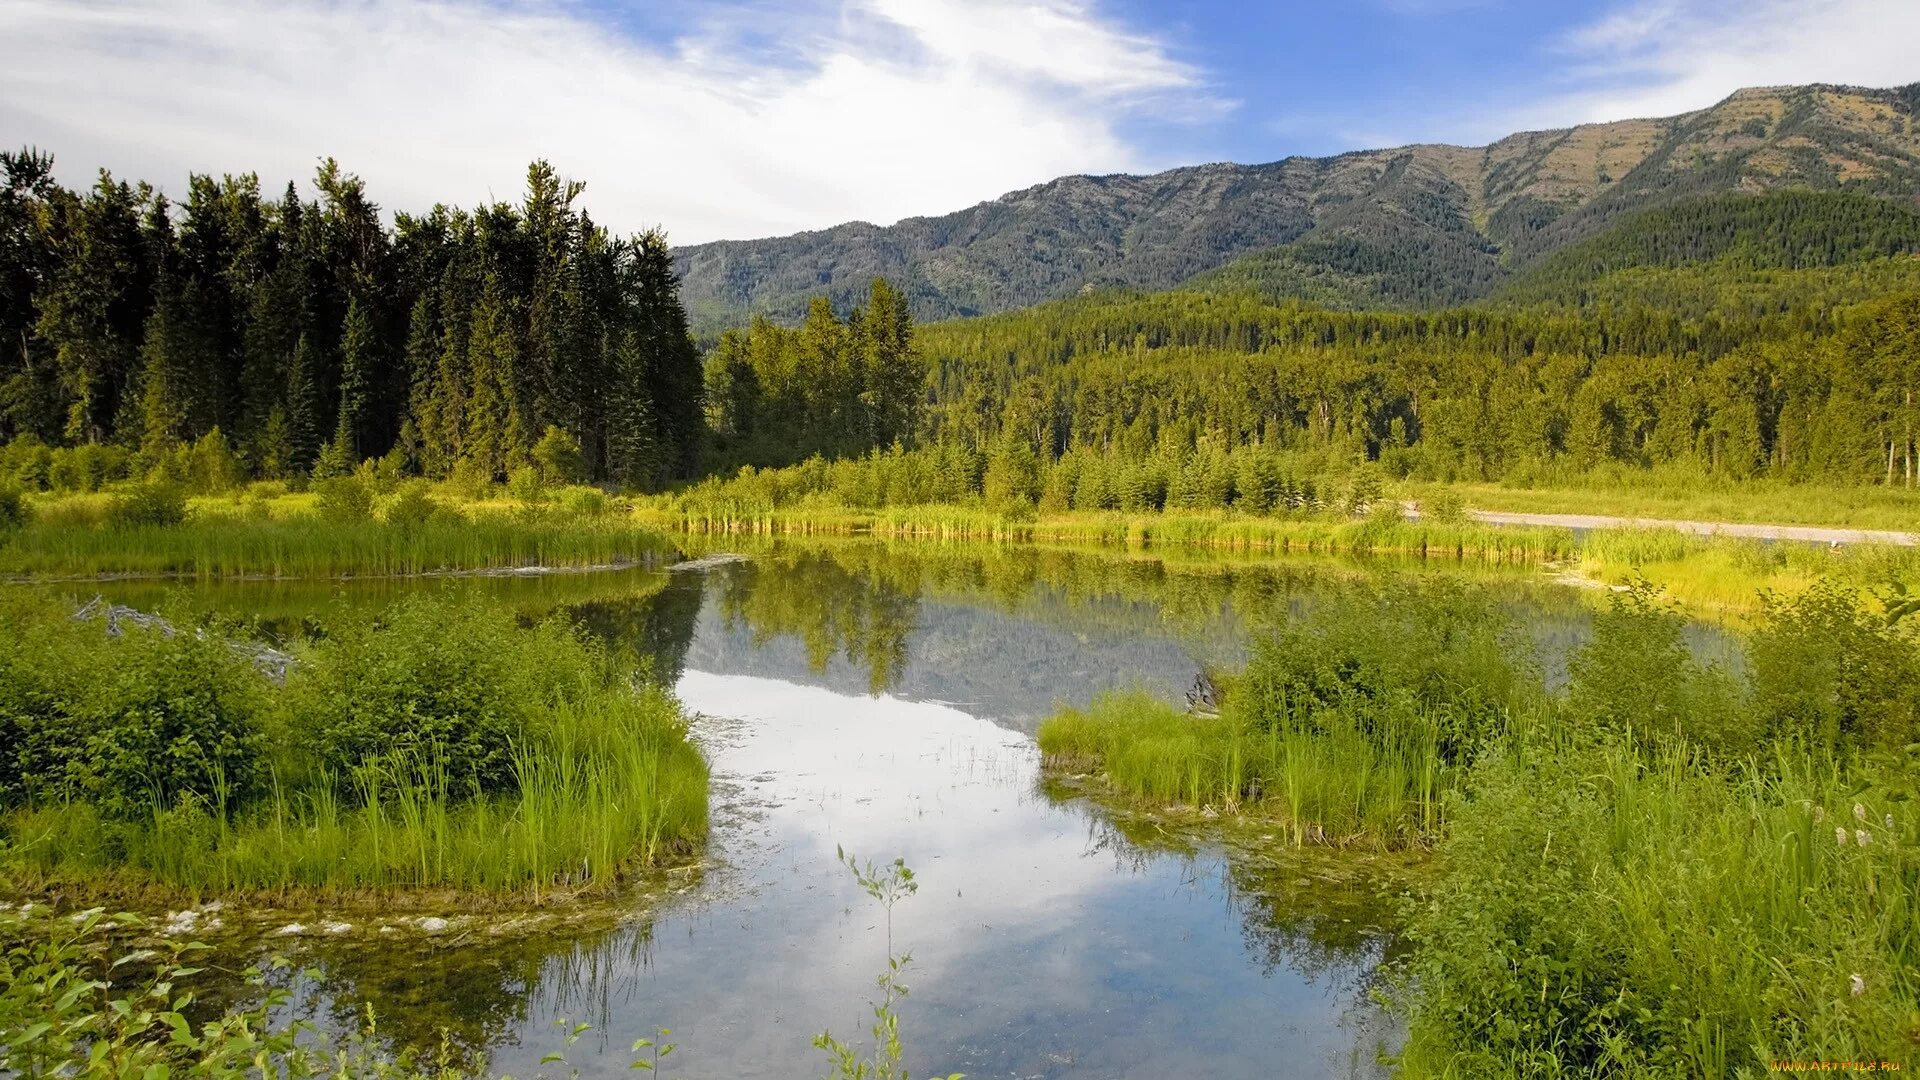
[
  {"x": 1668, "y": 865},
  {"x": 438, "y": 749}
]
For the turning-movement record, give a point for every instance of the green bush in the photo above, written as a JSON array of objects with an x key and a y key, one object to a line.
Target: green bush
[
  {"x": 525, "y": 484},
  {"x": 1636, "y": 676},
  {"x": 1386, "y": 658},
  {"x": 582, "y": 502},
  {"x": 1829, "y": 673},
  {"x": 147, "y": 504},
  {"x": 26, "y": 462},
  {"x": 14, "y": 511},
  {"x": 410, "y": 506},
  {"x": 437, "y": 684},
  {"x": 130, "y": 723},
  {"x": 343, "y": 498}
]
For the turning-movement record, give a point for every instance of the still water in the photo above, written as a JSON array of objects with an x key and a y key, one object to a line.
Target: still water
[{"x": 882, "y": 699}]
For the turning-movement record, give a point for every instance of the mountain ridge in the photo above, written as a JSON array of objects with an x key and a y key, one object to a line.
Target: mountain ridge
[{"x": 1415, "y": 225}]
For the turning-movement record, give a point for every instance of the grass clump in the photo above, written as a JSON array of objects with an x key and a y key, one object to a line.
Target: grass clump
[
  {"x": 1351, "y": 723},
  {"x": 439, "y": 745}
]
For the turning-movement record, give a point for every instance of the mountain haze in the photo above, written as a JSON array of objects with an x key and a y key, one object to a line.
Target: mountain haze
[{"x": 1405, "y": 227}]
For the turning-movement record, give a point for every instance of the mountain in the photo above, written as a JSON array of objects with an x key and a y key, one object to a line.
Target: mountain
[{"x": 1406, "y": 227}]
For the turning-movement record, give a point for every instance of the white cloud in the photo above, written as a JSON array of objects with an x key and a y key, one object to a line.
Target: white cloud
[
  {"x": 874, "y": 109},
  {"x": 1662, "y": 57}
]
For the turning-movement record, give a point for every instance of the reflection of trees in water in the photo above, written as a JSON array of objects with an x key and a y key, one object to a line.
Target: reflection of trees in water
[
  {"x": 1323, "y": 913},
  {"x": 467, "y": 999},
  {"x": 867, "y": 617},
  {"x": 650, "y": 631}
]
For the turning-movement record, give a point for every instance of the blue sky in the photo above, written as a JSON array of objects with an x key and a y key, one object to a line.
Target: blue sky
[{"x": 740, "y": 118}]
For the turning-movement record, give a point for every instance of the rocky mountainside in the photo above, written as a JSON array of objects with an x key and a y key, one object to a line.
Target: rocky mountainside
[{"x": 1410, "y": 226}]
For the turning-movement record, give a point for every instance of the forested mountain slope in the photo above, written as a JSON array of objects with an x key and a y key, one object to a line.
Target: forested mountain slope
[{"x": 1406, "y": 227}]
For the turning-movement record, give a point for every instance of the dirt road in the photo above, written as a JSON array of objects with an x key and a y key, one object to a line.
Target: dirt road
[{"x": 1807, "y": 533}]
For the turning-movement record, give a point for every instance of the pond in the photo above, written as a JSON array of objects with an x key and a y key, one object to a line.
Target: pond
[{"x": 881, "y": 698}]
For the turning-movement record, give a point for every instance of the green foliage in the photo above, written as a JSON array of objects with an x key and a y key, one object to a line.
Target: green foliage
[
  {"x": 451, "y": 687},
  {"x": 14, "y": 511},
  {"x": 1637, "y": 679},
  {"x": 283, "y": 326},
  {"x": 1600, "y": 914},
  {"x": 410, "y": 506},
  {"x": 1829, "y": 673},
  {"x": 152, "y": 504},
  {"x": 135, "y": 723},
  {"x": 343, "y": 499},
  {"x": 557, "y": 455},
  {"x": 439, "y": 744}
]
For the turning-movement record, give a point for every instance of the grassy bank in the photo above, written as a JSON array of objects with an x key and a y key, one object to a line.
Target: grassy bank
[
  {"x": 1661, "y": 870},
  {"x": 1384, "y": 534},
  {"x": 1685, "y": 497},
  {"x": 436, "y": 746},
  {"x": 1726, "y": 576},
  {"x": 348, "y": 526}
]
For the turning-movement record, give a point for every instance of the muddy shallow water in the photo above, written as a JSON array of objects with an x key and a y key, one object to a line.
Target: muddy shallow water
[{"x": 881, "y": 699}]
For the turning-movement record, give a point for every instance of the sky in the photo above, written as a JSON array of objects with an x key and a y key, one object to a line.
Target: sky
[{"x": 730, "y": 119}]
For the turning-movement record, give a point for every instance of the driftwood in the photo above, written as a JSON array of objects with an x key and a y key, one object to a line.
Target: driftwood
[{"x": 272, "y": 663}]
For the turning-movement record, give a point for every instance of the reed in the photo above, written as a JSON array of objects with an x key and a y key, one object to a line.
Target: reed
[
  {"x": 1340, "y": 784},
  {"x": 219, "y": 546},
  {"x": 1222, "y": 530}
]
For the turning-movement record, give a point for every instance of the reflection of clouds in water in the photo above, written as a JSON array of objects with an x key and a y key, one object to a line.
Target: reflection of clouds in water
[{"x": 1037, "y": 951}]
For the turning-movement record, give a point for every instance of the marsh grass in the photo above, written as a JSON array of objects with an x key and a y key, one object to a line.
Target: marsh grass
[
  {"x": 1730, "y": 575},
  {"x": 1218, "y": 530},
  {"x": 436, "y": 745},
  {"x": 611, "y": 788},
  {"x": 1606, "y": 911},
  {"x": 218, "y": 546},
  {"x": 1338, "y": 785}
]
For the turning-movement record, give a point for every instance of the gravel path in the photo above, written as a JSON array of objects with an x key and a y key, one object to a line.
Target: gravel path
[{"x": 1808, "y": 533}]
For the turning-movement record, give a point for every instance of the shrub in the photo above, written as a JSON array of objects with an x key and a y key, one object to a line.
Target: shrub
[
  {"x": 147, "y": 504},
  {"x": 410, "y": 506},
  {"x": 557, "y": 456},
  {"x": 26, "y": 462},
  {"x": 211, "y": 465},
  {"x": 343, "y": 498},
  {"x": 524, "y": 483},
  {"x": 1826, "y": 671},
  {"x": 131, "y": 723},
  {"x": 1636, "y": 675},
  {"x": 435, "y": 683},
  {"x": 1444, "y": 507},
  {"x": 14, "y": 511},
  {"x": 1405, "y": 655},
  {"x": 583, "y": 502}
]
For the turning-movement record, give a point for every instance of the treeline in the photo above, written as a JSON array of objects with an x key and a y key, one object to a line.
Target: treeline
[
  {"x": 831, "y": 386},
  {"x": 307, "y": 336},
  {"x": 1805, "y": 393}
]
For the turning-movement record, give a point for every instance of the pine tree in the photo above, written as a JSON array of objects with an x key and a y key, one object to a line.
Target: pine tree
[
  {"x": 359, "y": 346},
  {"x": 302, "y": 412}
]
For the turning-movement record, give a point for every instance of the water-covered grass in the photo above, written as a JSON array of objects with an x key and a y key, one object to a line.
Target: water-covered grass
[{"x": 436, "y": 746}]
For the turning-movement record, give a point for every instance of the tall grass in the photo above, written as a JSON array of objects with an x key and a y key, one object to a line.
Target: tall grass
[
  {"x": 436, "y": 745},
  {"x": 1338, "y": 785},
  {"x": 312, "y": 547},
  {"x": 1729, "y": 575},
  {"x": 1220, "y": 530},
  {"x": 611, "y": 787},
  {"x": 1604, "y": 913}
]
